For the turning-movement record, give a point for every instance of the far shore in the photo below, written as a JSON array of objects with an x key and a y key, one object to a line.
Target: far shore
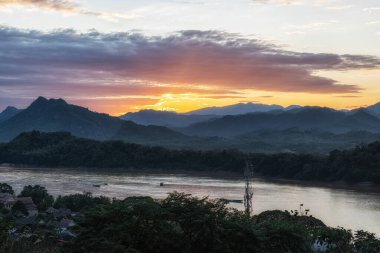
[{"x": 361, "y": 187}]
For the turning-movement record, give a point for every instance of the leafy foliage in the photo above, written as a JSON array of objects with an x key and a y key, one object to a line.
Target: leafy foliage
[
  {"x": 39, "y": 195},
  {"x": 180, "y": 223},
  {"x": 6, "y": 188},
  {"x": 4, "y": 227},
  {"x": 356, "y": 165},
  {"x": 183, "y": 223},
  {"x": 19, "y": 207},
  {"x": 77, "y": 202},
  {"x": 366, "y": 242},
  {"x": 62, "y": 149}
]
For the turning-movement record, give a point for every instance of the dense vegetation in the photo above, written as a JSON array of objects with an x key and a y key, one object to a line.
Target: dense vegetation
[
  {"x": 357, "y": 165},
  {"x": 78, "y": 202},
  {"x": 180, "y": 223},
  {"x": 5, "y": 188},
  {"x": 39, "y": 195},
  {"x": 63, "y": 150}
]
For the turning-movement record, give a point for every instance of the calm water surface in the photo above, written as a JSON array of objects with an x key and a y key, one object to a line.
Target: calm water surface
[{"x": 350, "y": 208}]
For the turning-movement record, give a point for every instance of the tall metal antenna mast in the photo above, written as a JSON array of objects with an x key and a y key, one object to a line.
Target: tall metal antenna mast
[{"x": 248, "y": 195}]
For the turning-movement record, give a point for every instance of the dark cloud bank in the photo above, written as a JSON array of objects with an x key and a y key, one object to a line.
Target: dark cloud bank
[{"x": 67, "y": 61}]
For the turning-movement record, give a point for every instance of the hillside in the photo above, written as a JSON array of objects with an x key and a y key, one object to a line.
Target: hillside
[
  {"x": 236, "y": 109},
  {"x": 61, "y": 149},
  {"x": 374, "y": 109},
  {"x": 57, "y": 115},
  {"x": 152, "y": 135},
  {"x": 305, "y": 118},
  {"x": 164, "y": 118},
  {"x": 360, "y": 164},
  {"x": 301, "y": 129},
  {"x": 8, "y": 113},
  {"x": 301, "y": 141}
]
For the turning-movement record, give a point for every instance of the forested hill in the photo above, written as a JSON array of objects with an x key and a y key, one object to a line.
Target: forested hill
[
  {"x": 52, "y": 115},
  {"x": 63, "y": 150}
]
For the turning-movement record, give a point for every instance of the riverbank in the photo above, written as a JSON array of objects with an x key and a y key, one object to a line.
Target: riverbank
[
  {"x": 62, "y": 150},
  {"x": 336, "y": 206},
  {"x": 178, "y": 223},
  {"x": 362, "y": 186}
]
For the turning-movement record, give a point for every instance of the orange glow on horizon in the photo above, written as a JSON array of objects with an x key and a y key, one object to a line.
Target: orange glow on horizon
[
  {"x": 183, "y": 103},
  {"x": 181, "y": 98}
]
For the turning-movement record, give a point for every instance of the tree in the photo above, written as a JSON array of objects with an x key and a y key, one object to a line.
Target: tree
[
  {"x": 136, "y": 224},
  {"x": 366, "y": 242},
  {"x": 39, "y": 195},
  {"x": 180, "y": 223},
  {"x": 77, "y": 202},
  {"x": 19, "y": 207},
  {"x": 4, "y": 227},
  {"x": 6, "y": 188}
]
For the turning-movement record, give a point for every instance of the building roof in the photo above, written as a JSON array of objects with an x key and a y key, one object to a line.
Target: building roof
[
  {"x": 6, "y": 198},
  {"x": 26, "y": 200}
]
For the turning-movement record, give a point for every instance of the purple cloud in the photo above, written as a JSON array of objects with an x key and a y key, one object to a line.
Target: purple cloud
[{"x": 66, "y": 61}]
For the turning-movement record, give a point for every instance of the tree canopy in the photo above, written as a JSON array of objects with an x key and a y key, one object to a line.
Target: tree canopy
[
  {"x": 63, "y": 150},
  {"x": 6, "y": 188},
  {"x": 39, "y": 195},
  {"x": 183, "y": 223}
]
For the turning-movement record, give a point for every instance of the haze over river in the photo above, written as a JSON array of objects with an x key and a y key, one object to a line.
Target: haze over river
[{"x": 350, "y": 208}]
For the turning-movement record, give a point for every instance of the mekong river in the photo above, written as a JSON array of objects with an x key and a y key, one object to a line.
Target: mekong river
[{"x": 352, "y": 208}]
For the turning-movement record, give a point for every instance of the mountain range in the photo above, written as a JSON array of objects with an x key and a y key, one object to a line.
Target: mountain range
[
  {"x": 182, "y": 120},
  {"x": 241, "y": 108},
  {"x": 165, "y": 118},
  {"x": 374, "y": 109},
  {"x": 8, "y": 113},
  {"x": 273, "y": 129},
  {"x": 319, "y": 118},
  {"x": 57, "y": 115},
  {"x": 173, "y": 119}
]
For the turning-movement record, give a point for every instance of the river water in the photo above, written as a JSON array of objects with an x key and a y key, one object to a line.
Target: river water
[{"x": 350, "y": 208}]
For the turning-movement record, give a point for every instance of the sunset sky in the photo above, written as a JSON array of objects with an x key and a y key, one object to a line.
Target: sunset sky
[{"x": 116, "y": 56}]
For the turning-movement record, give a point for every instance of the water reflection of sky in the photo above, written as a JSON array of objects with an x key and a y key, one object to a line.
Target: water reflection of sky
[{"x": 336, "y": 207}]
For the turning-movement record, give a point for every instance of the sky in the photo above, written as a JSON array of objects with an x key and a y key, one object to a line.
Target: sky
[{"x": 117, "y": 56}]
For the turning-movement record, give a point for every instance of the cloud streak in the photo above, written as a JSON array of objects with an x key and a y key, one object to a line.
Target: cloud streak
[
  {"x": 205, "y": 62},
  {"x": 57, "y": 5},
  {"x": 66, "y": 6},
  {"x": 280, "y": 2}
]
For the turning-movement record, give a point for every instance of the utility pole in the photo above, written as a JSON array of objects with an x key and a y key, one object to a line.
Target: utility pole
[{"x": 248, "y": 195}]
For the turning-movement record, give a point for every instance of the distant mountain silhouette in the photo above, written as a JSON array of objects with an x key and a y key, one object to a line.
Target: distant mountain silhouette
[
  {"x": 295, "y": 140},
  {"x": 164, "y": 118},
  {"x": 294, "y": 129},
  {"x": 374, "y": 109},
  {"x": 291, "y": 107},
  {"x": 56, "y": 115},
  {"x": 237, "y": 109},
  {"x": 8, "y": 113},
  {"x": 325, "y": 119},
  {"x": 154, "y": 135}
]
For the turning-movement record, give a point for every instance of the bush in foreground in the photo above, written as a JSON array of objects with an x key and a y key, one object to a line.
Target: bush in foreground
[{"x": 183, "y": 223}]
